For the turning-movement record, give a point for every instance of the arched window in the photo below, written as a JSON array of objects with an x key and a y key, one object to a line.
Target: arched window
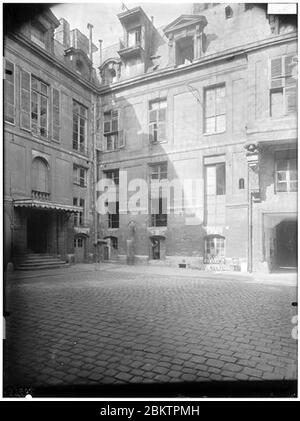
[
  {"x": 228, "y": 12},
  {"x": 40, "y": 176},
  {"x": 241, "y": 183}
]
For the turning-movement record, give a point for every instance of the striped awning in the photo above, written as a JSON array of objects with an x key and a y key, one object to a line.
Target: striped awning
[{"x": 38, "y": 204}]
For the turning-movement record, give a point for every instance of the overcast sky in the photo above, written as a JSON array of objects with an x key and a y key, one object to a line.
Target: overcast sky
[{"x": 103, "y": 16}]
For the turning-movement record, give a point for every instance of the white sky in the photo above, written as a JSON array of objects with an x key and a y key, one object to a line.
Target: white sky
[{"x": 103, "y": 16}]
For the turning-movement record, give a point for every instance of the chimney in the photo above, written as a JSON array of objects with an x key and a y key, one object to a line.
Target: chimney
[
  {"x": 152, "y": 20},
  {"x": 90, "y": 27},
  {"x": 100, "y": 51},
  {"x": 62, "y": 33}
]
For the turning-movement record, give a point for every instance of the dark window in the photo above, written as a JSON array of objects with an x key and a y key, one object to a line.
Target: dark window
[
  {"x": 113, "y": 218},
  {"x": 185, "y": 51},
  {"x": 81, "y": 213},
  {"x": 79, "y": 127},
  {"x": 39, "y": 107},
  {"x": 79, "y": 176},
  {"x": 158, "y": 216},
  {"x": 157, "y": 120},
  {"x": 214, "y": 247},
  {"x": 228, "y": 12},
  {"x": 113, "y": 175},
  {"x": 241, "y": 183},
  {"x": 216, "y": 179}
]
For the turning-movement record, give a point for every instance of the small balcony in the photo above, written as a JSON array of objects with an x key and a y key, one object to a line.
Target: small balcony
[
  {"x": 127, "y": 51},
  {"x": 38, "y": 195}
]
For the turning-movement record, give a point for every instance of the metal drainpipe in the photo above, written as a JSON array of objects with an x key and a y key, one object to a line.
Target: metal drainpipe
[
  {"x": 95, "y": 173},
  {"x": 250, "y": 250}
]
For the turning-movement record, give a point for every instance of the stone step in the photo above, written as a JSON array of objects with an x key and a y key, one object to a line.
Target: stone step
[
  {"x": 36, "y": 261},
  {"x": 42, "y": 267},
  {"x": 50, "y": 259}
]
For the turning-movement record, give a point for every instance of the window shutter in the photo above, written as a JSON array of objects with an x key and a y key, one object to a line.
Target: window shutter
[
  {"x": 9, "y": 92},
  {"x": 122, "y": 138},
  {"x": 291, "y": 99},
  {"x": 25, "y": 100},
  {"x": 143, "y": 36},
  {"x": 276, "y": 73},
  {"x": 55, "y": 114}
]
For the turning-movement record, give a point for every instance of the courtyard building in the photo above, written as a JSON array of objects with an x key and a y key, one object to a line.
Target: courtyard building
[{"x": 210, "y": 97}]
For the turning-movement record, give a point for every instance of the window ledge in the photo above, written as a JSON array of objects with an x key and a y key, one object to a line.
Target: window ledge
[{"x": 214, "y": 133}]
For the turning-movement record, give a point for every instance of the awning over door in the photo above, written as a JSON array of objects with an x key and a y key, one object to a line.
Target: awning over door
[{"x": 37, "y": 204}]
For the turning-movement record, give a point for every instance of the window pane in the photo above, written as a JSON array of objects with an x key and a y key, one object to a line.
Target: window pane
[
  {"x": 162, "y": 114},
  {"x": 282, "y": 165},
  {"x": 161, "y": 131},
  {"x": 210, "y": 125},
  {"x": 281, "y": 176},
  {"x": 210, "y": 109},
  {"x": 293, "y": 186},
  {"x": 220, "y": 123},
  {"x": 282, "y": 187},
  {"x": 276, "y": 103},
  {"x": 211, "y": 180},
  {"x": 221, "y": 179},
  {"x": 152, "y": 116}
]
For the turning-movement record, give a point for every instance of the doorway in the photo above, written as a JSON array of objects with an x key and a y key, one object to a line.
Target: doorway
[
  {"x": 37, "y": 232},
  {"x": 79, "y": 248},
  {"x": 286, "y": 245}
]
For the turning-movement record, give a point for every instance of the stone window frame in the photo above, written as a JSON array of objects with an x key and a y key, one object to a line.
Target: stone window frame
[{"x": 216, "y": 114}]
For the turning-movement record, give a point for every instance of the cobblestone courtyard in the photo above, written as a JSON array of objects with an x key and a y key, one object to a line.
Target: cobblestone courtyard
[{"x": 83, "y": 326}]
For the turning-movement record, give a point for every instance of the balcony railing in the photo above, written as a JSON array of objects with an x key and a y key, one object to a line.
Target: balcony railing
[{"x": 39, "y": 195}]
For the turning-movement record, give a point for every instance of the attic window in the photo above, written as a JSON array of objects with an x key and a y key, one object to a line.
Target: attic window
[
  {"x": 38, "y": 34},
  {"x": 184, "y": 51},
  {"x": 134, "y": 37},
  {"x": 228, "y": 12},
  {"x": 79, "y": 66}
]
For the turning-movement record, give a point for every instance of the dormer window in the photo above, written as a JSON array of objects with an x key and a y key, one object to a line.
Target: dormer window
[
  {"x": 134, "y": 37},
  {"x": 79, "y": 66},
  {"x": 38, "y": 34},
  {"x": 184, "y": 50}
]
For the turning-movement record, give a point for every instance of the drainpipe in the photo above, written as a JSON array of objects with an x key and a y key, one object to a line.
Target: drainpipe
[
  {"x": 94, "y": 163},
  {"x": 100, "y": 51}
]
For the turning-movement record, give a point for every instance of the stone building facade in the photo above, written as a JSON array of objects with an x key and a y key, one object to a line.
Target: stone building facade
[
  {"x": 49, "y": 89},
  {"x": 210, "y": 98}
]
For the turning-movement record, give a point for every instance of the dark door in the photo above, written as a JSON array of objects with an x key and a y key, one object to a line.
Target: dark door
[
  {"x": 37, "y": 232},
  {"x": 286, "y": 239}
]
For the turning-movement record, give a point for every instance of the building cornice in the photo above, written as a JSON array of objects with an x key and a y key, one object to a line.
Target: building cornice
[
  {"x": 51, "y": 58},
  {"x": 204, "y": 61}
]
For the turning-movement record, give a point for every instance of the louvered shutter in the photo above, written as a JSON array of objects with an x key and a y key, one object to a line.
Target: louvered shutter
[
  {"x": 290, "y": 85},
  {"x": 55, "y": 114},
  {"x": 276, "y": 73},
  {"x": 9, "y": 92},
  {"x": 25, "y": 100},
  {"x": 143, "y": 36}
]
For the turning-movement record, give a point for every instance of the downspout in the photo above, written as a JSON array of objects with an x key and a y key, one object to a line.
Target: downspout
[{"x": 94, "y": 163}]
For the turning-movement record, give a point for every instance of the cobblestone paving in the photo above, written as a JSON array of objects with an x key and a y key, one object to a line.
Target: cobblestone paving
[{"x": 108, "y": 327}]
